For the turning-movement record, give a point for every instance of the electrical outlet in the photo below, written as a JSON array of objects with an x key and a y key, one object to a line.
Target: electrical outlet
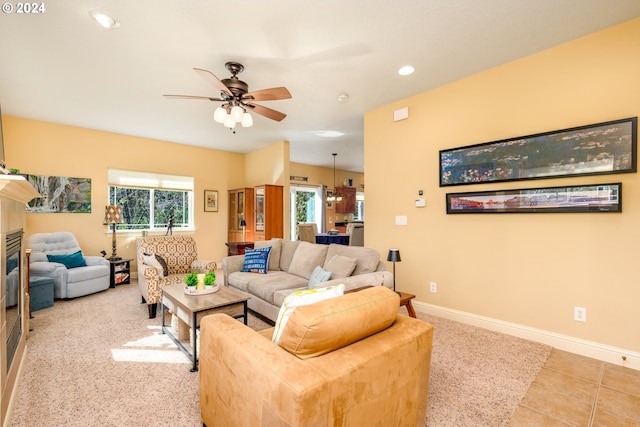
[
  {"x": 580, "y": 314},
  {"x": 433, "y": 287}
]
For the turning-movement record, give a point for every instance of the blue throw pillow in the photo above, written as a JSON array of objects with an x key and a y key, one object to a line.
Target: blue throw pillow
[
  {"x": 256, "y": 260},
  {"x": 70, "y": 261}
]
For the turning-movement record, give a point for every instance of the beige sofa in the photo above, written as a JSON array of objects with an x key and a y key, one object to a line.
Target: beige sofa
[
  {"x": 181, "y": 256},
  {"x": 375, "y": 372},
  {"x": 290, "y": 266}
]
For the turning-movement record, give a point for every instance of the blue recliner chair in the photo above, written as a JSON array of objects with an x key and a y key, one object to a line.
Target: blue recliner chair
[{"x": 58, "y": 255}]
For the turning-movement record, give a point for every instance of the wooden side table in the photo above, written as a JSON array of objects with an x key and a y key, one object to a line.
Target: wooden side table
[
  {"x": 238, "y": 248},
  {"x": 119, "y": 272},
  {"x": 405, "y": 299}
]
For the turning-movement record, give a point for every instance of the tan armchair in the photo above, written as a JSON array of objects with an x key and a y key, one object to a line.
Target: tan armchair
[
  {"x": 181, "y": 256},
  {"x": 348, "y": 361},
  {"x": 307, "y": 232}
]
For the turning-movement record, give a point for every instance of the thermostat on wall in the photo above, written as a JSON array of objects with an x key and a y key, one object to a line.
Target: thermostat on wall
[{"x": 421, "y": 203}]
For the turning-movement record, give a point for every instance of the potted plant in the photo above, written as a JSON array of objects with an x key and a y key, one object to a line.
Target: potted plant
[
  {"x": 210, "y": 279},
  {"x": 191, "y": 279}
]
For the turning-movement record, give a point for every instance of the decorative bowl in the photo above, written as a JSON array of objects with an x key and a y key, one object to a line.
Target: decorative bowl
[{"x": 191, "y": 290}]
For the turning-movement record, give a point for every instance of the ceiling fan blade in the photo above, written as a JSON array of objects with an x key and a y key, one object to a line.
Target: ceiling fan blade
[
  {"x": 267, "y": 112},
  {"x": 192, "y": 97},
  {"x": 211, "y": 78},
  {"x": 272, "y": 94}
]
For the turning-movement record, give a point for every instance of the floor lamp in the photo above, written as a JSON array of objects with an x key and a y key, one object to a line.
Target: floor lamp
[
  {"x": 113, "y": 216},
  {"x": 394, "y": 256}
]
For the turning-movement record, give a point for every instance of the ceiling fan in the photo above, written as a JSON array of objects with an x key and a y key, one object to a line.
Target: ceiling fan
[{"x": 236, "y": 98}]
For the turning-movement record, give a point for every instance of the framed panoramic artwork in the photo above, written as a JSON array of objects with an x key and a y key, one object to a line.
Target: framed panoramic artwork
[
  {"x": 602, "y": 148},
  {"x": 576, "y": 198},
  {"x": 210, "y": 201},
  {"x": 60, "y": 194}
]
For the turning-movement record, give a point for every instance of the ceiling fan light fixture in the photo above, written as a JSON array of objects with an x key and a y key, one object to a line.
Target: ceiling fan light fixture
[
  {"x": 236, "y": 113},
  {"x": 229, "y": 122},
  {"x": 247, "y": 120},
  {"x": 219, "y": 115}
]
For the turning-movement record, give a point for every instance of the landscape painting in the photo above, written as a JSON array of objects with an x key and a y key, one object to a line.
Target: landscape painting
[
  {"x": 603, "y": 148},
  {"x": 60, "y": 194},
  {"x": 578, "y": 198}
]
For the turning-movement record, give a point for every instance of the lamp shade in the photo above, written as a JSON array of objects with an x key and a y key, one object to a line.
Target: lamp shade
[
  {"x": 229, "y": 122},
  {"x": 394, "y": 255},
  {"x": 236, "y": 113},
  {"x": 247, "y": 120},
  {"x": 113, "y": 214},
  {"x": 219, "y": 115},
  {"x": 243, "y": 223}
]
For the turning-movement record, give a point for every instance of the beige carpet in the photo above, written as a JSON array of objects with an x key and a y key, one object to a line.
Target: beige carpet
[{"x": 99, "y": 361}]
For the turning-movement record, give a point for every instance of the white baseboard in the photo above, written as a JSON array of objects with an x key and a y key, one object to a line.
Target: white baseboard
[{"x": 606, "y": 353}]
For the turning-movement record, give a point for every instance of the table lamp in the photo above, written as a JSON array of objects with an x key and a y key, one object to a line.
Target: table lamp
[
  {"x": 394, "y": 256},
  {"x": 243, "y": 224},
  {"x": 113, "y": 216}
]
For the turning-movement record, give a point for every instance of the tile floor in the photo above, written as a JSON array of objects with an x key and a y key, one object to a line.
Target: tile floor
[{"x": 573, "y": 390}]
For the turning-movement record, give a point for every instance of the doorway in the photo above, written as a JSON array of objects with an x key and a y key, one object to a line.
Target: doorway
[{"x": 306, "y": 206}]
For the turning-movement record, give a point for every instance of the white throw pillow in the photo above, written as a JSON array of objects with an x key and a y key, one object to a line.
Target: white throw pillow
[
  {"x": 298, "y": 298},
  {"x": 152, "y": 261}
]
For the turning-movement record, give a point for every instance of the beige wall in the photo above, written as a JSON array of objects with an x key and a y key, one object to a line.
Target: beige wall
[
  {"x": 270, "y": 165},
  {"x": 529, "y": 269},
  {"x": 50, "y": 149}
]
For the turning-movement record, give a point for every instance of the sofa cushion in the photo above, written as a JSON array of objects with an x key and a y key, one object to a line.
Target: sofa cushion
[
  {"x": 264, "y": 286},
  {"x": 288, "y": 249},
  {"x": 274, "y": 256},
  {"x": 340, "y": 266},
  {"x": 307, "y": 257},
  {"x": 256, "y": 260},
  {"x": 300, "y": 298},
  {"x": 316, "y": 329},
  {"x": 73, "y": 260},
  {"x": 319, "y": 275},
  {"x": 367, "y": 259}
]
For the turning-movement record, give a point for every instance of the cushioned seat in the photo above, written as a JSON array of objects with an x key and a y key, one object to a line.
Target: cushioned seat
[
  {"x": 40, "y": 292},
  {"x": 347, "y": 361},
  {"x": 180, "y": 256},
  {"x": 58, "y": 255}
]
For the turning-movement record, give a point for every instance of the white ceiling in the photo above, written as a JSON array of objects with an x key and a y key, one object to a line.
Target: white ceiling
[{"x": 60, "y": 66}]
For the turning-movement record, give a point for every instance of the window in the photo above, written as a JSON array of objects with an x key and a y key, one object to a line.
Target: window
[
  {"x": 150, "y": 200},
  {"x": 306, "y": 206},
  {"x": 359, "y": 214}
]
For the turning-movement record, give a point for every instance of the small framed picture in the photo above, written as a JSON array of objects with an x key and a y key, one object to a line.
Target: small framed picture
[{"x": 210, "y": 201}]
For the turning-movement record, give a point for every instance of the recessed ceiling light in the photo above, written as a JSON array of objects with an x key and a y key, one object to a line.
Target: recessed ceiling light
[
  {"x": 327, "y": 133},
  {"x": 103, "y": 19},
  {"x": 406, "y": 70},
  {"x": 343, "y": 97}
]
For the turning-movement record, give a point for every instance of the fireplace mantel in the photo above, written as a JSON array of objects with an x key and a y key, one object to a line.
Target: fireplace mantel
[
  {"x": 16, "y": 187},
  {"x": 15, "y": 193}
]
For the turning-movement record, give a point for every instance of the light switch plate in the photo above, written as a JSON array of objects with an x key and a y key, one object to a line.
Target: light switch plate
[{"x": 401, "y": 220}]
